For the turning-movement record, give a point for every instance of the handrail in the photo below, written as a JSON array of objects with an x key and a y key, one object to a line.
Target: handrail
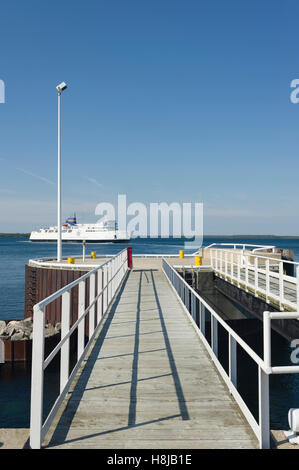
[
  {"x": 257, "y": 247},
  {"x": 44, "y": 261},
  {"x": 104, "y": 280},
  {"x": 50, "y": 262},
  {"x": 235, "y": 268},
  {"x": 196, "y": 307},
  {"x": 257, "y": 256}
]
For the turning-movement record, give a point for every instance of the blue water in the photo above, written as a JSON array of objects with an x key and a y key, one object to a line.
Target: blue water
[
  {"x": 15, "y": 252},
  {"x": 15, "y": 379}
]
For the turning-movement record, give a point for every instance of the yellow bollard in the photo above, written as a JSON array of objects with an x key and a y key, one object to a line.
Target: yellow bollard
[
  {"x": 71, "y": 260},
  {"x": 181, "y": 254},
  {"x": 198, "y": 260},
  {"x": 93, "y": 254}
]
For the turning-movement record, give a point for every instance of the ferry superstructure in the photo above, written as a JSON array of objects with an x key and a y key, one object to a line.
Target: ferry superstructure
[{"x": 73, "y": 232}]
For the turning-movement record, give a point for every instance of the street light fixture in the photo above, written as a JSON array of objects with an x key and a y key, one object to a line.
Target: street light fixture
[{"x": 62, "y": 86}]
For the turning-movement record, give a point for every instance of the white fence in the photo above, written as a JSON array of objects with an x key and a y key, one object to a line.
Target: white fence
[
  {"x": 109, "y": 277},
  {"x": 239, "y": 246},
  {"x": 258, "y": 274},
  {"x": 198, "y": 309}
]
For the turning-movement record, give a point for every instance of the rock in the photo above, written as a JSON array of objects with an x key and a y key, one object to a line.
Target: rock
[
  {"x": 49, "y": 330},
  {"x": 20, "y": 327},
  {"x": 23, "y": 329},
  {"x": 17, "y": 336},
  {"x": 2, "y": 327},
  {"x": 10, "y": 328}
]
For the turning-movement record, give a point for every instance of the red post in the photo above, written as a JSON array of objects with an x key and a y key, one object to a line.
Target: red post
[{"x": 130, "y": 259}]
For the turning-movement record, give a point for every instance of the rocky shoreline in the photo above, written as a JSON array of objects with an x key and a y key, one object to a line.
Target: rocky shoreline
[{"x": 22, "y": 330}]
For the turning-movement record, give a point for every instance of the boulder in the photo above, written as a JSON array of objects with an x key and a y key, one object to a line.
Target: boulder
[
  {"x": 49, "y": 330},
  {"x": 23, "y": 329},
  {"x": 11, "y": 328},
  {"x": 17, "y": 336},
  {"x": 2, "y": 327}
]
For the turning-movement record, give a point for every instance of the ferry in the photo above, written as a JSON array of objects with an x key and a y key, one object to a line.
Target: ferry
[{"x": 72, "y": 232}]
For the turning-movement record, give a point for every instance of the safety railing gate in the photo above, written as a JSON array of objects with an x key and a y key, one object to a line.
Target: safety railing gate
[
  {"x": 198, "y": 309},
  {"x": 108, "y": 277}
]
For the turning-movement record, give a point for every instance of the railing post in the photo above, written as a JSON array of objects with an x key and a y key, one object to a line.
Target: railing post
[
  {"x": 212, "y": 258},
  {"x": 195, "y": 308},
  {"x": 202, "y": 310},
  {"x": 264, "y": 401},
  {"x": 256, "y": 276},
  {"x": 267, "y": 338},
  {"x": 232, "y": 266},
  {"x": 100, "y": 296},
  {"x": 281, "y": 290},
  {"x": 297, "y": 280},
  {"x": 37, "y": 378},
  {"x": 92, "y": 294},
  {"x": 214, "y": 335},
  {"x": 267, "y": 279},
  {"x": 225, "y": 265},
  {"x": 221, "y": 264},
  {"x": 246, "y": 273},
  {"x": 105, "y": 292},
  {"x": 81, "y": 325},
  {"x": 187, "y": 298},
  {"x": 239, "y": 270},
  {"x": 232, "y": 360},
  {"x": 109, "y": 280},
  {"x": 65, "y": 327},
  {"x": 264, "y": 415}
]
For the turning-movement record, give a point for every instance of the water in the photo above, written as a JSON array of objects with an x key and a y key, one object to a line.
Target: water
[
  {"x": 15, "y": 252},
  {"x": 15, "y": 379}
]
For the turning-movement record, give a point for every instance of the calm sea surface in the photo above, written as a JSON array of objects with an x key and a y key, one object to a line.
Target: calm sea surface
[{"x": 15, "y": 379}]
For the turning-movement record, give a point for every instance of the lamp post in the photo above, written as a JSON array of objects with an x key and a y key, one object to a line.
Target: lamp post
[{"x": 62, "y": 86}]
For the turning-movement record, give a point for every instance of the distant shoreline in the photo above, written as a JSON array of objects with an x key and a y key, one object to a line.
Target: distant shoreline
[
  {"x": 14, "y": 234},
  {"x": 20, "y": 235}
]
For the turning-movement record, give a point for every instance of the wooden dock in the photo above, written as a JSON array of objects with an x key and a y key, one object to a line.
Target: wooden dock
[{"x": 148, "y": 381}]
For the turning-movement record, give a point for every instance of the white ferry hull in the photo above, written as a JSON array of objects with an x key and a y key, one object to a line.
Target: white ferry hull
[
  {"x": 71, "y": 232},
  {"x": 106, "y": 237}
]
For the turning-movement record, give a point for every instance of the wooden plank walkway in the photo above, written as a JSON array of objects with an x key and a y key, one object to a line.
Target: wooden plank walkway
[{"x": 148, "y": 381}]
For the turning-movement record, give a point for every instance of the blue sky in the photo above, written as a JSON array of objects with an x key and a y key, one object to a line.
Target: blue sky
[{"x": 167, "y": 101}]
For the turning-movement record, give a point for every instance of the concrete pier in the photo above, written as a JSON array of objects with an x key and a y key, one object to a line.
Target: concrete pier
[{"x": 148, "y": 381}]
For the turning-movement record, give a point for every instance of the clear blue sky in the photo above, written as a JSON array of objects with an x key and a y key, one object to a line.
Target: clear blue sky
[{"x": 167, "y": 101}]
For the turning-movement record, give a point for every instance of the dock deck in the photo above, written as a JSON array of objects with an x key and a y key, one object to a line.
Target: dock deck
[{"x": 148, "y": 381}]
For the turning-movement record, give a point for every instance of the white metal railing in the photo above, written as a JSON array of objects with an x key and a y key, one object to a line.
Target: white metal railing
[
  {"x": 50, "y": 262},
  {"x": 243, "y": 246},
  {"x": 258, "y": 274},
  {"x": 108, "y": 277},
  {"x": 197, "y": 307}
]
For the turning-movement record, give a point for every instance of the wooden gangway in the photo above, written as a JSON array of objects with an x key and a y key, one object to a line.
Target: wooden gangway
[
  {"x": 148, "y": 381},
  {"x": 148, "y": 371}
]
